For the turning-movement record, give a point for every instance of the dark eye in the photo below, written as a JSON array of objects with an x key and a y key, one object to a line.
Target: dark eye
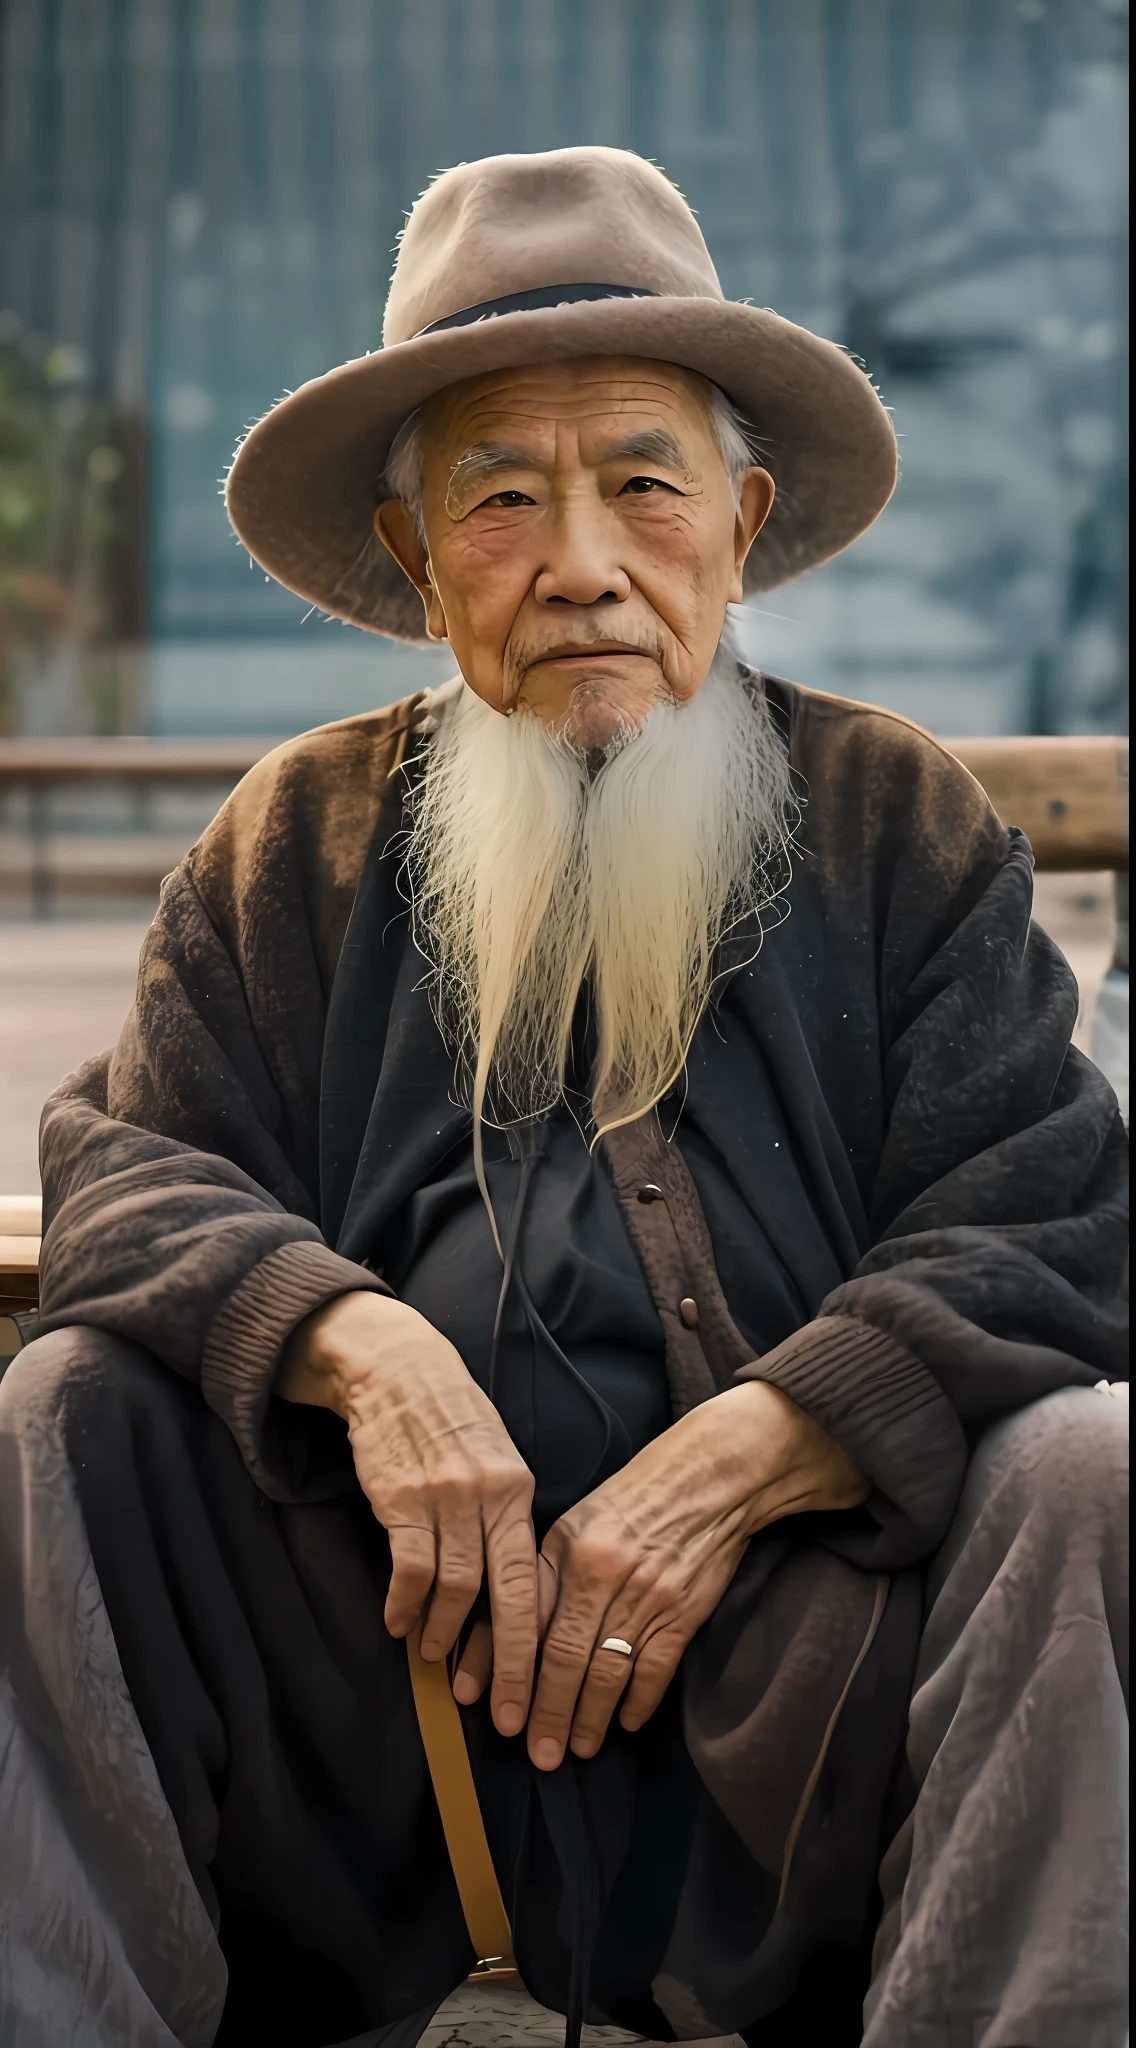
[
  {"x": 641, "y": 485},
  {"x": 510, "y": 499}
]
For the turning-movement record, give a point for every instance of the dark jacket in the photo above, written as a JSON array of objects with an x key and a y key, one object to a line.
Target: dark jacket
[{"x": 967, "y": 1164}]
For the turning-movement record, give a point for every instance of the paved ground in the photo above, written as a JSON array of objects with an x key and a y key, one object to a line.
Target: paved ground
[
  {"x": 65, "y": 988},
  {"x": 477, "y": 2017}
]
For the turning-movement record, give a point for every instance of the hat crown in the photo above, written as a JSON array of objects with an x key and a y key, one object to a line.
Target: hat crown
[{"x": 510, "y": 224}]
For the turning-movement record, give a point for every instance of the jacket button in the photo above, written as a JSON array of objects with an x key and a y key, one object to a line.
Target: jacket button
[
  {"x": 650, "y": 1193},
  {"x": 688, "y": 1310}
]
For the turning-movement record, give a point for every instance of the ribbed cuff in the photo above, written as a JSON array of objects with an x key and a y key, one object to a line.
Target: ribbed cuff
[
  {"x": 248, "y": 1334},
  {"x": 881, "y": 1405}
]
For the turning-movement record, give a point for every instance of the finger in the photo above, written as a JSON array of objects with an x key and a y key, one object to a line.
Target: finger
[
  {"x": 476, "y": 1665},
  {"x": 457, "y": 1582},
  {"x": 413, "y": 1562},
  {"x": 608, "y": 1677},
  {"x": 564, "y": 1658},
  {"x": 510, "y": 1548},
  {"x": 548, "y": 1589},
  {"x": 655, "y": 1666}
]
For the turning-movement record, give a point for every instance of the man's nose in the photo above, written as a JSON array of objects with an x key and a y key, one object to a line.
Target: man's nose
[{"x": 581, "y": 565}]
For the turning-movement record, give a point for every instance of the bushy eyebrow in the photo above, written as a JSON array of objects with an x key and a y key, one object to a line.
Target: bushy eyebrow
[
  {"x": 654, "y": 444},
  {"x": 482, "y": 462},
  {"x": 488, "y": 459}
]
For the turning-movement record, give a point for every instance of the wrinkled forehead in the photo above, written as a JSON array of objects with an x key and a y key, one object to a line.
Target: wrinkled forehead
[{"x": 596, "y": 394}]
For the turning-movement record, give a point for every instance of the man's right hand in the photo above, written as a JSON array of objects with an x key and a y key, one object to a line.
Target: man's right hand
[{"x": 441, "y": 1473}]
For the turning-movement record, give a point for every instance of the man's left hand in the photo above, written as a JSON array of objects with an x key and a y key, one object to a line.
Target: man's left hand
[{"x": 647, "y": 1557}]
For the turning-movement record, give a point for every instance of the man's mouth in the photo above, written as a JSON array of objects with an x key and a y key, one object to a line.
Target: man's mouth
[{"x": 590, "y": 650}]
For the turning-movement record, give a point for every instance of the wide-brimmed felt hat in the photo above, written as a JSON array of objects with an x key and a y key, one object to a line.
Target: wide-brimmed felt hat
[{"x": 532, "y": 259}]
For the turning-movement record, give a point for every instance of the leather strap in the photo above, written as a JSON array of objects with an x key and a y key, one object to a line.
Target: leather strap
[{"x": 443, "y": 1739}]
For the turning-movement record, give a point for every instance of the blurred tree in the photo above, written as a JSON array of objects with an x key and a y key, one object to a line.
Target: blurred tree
[{"x": 70, "y": 542}]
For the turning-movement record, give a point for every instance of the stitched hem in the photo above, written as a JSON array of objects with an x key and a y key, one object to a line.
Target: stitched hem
[
  {"x": 850, "y": 1369},
  {"x": 883, "y": 1406},
  {"x": 242, "y": 1350}
]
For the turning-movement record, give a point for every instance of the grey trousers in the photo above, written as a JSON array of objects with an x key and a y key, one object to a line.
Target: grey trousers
[
  {"x": 1004, "y": 1899},
  {"x": 1005, "y": 1895}
]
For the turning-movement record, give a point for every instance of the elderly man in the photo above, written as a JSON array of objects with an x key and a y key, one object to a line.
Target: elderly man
[{"x": 596, "y": 1175}]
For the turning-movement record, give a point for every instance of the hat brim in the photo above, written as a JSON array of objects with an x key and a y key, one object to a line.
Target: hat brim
[{"x": 305, "y": 482}]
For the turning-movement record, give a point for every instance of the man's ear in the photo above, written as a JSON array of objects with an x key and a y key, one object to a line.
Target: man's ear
[
  {"x": 757, "y": 494},
  {"x": 394, "y": 523}
]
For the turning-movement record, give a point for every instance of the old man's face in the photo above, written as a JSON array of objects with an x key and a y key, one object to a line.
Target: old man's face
[{"x": 582, "y": 539}]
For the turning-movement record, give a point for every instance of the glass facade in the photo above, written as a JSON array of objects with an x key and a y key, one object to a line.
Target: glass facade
[{"x": 201, "y": 201}]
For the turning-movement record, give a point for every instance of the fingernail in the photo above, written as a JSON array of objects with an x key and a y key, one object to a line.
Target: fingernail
[
  {"x": 580, "y": 1747},
  {"x": 465, "y": 1689},
  {"x": 546, "y": 1755},
  {"x": 510, "y": 1720}
]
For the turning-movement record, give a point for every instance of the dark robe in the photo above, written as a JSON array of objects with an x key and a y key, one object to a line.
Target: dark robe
[
  {"x": 578, "y": 1372},
  {"x": 893, "y": 1190}
]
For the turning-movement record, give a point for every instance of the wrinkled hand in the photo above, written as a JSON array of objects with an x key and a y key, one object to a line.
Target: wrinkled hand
[
  {"x": 441, "y": 1473},
  {"x": 649, "y": 1554}
]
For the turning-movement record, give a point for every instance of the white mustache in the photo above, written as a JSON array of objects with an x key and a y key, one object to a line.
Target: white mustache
[{"x": 522, "y": 658}]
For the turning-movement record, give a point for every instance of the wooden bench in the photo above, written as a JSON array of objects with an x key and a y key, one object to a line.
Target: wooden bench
[
  {"x": 40, "y": 862},
  {"x": 19, "y": 1252},
  {"x": 1070, "y": 796}
]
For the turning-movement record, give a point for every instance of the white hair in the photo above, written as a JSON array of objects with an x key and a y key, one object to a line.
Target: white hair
[
  {"x": 531, "y": 876},
  {"x": 737, "y": 440}
]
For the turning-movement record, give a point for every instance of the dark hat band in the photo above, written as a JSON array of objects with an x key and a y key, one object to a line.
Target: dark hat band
[{"x": 534, "y": 301}]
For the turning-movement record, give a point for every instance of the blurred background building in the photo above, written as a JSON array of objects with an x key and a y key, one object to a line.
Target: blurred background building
[{"x": 200, "y": 204}]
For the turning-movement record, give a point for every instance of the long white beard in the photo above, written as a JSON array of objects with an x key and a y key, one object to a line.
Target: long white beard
[{"x": 529, "y": 874}]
